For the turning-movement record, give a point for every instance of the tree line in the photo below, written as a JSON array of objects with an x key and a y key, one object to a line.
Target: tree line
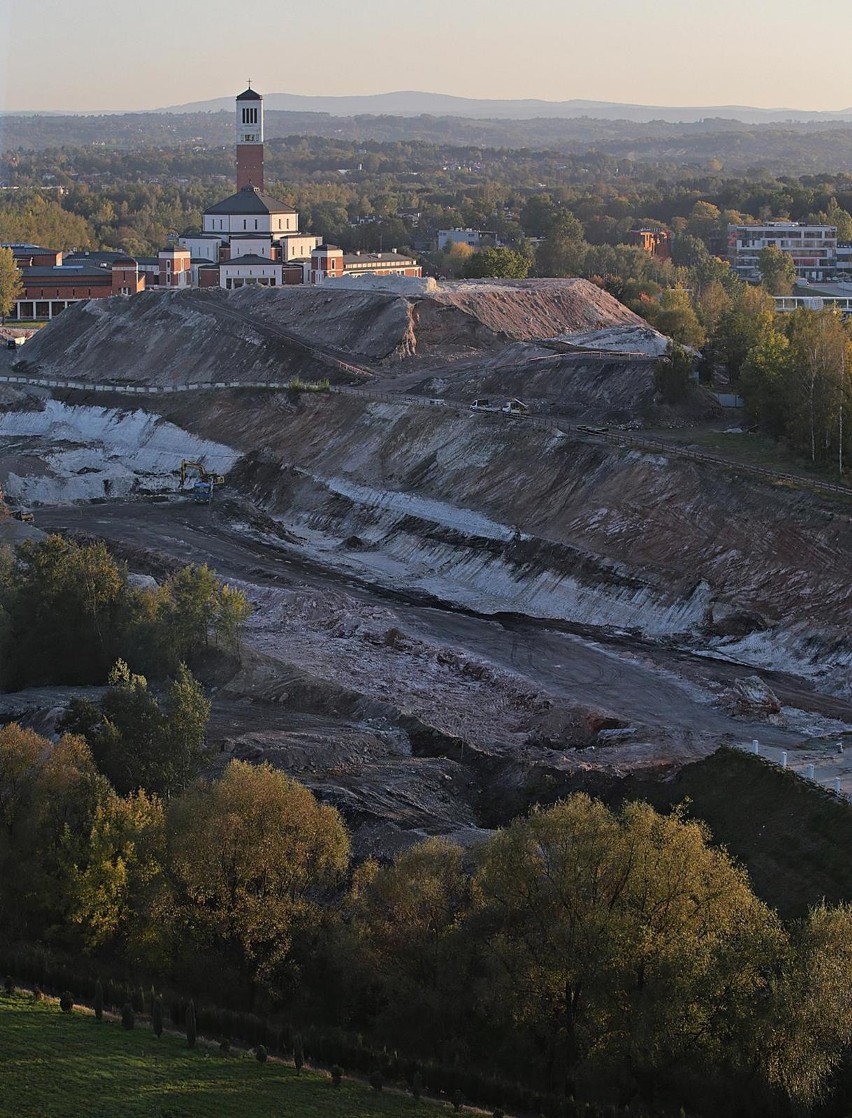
[
  {"x": 69, "y": 611},
  {"x": 610, "y": 958}
]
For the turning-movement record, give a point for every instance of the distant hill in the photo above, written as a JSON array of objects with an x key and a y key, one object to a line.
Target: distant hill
[{"x": 412, "y": 103}]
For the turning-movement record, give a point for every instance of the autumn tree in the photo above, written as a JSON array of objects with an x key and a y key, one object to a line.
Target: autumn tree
[
  {"x": 624, "y": 944},
  {"x": 777, "y": 270},
  {"x": 250, "y": 856},
  {"x": 11, "y": 283}
]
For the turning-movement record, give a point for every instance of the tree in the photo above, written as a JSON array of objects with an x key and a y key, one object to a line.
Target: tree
[
  {"x": 250, "y": 855},
  {"x": 673, "y": 374},
  {"x": 157, "y": 1017},
  {"x": 11, "y": 283},
  {"x": 139, "y": 741},
  {"x": 777, "y": 270},
  {"x": 563, "y": 252},
  {"x": 751, "y": 314},
  {"x": 189, "y": 610},
  {"x": 99, "y": 1001},
  {"x": 116, "y": 870},
  {"x": 408, "y": 920},
  {"x": 624, "y": 945},
  {"x": 677, "y": 318},
  {"x": 502, "y": 263},
  {"x": 65, "y": 608},
  {"x": 231, "y": 615}
]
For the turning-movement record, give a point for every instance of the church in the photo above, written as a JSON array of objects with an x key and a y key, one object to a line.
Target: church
[
  {"x": 250, "y": 238},
  {"x": 247, "y": 239}
]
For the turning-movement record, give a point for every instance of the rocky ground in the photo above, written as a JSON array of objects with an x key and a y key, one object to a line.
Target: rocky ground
[{"x": 455, "y": 615}]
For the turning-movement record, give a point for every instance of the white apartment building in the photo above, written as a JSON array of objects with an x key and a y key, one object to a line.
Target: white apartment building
[{"x": 813, "y": 248}]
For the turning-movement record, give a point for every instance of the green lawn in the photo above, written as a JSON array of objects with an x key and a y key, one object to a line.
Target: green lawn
[{"x": 60, "y": 1066}]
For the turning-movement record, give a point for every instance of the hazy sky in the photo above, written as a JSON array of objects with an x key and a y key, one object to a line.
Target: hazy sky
[{"x": 122, "y": 54}]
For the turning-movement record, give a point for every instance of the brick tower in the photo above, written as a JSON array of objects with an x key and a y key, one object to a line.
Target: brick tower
[{"x": 250, "y": 139}]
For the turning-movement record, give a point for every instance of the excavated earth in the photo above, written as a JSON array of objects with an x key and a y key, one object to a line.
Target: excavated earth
[{"x": 456, "y": 614}]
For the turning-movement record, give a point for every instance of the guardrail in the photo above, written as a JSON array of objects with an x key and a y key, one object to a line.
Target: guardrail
[
  {"x": 806, "y": 770},
  {"x": 555, "y": 424}
]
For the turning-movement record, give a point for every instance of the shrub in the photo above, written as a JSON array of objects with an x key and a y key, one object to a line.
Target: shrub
[
  {"x": 128, "y": 1016},
  {"x": 99, "y": 1001},
  {"x": 9, "y": 984},
  {"x": 497, "y": 1113},
  {"x": 376, "y": 1080},
  {"x": 298, "y": 1052},
  {"x": 336, "y": 1074},
  {"x": 191, "y": 1032},
  {"x": 260, "y": 1054},
  {"x": 66, "y": 1001},
  {"x": 457, "y": 1100},
  {"x": 157, "y": 1017},
  {"x": 224, "y": 1046}
]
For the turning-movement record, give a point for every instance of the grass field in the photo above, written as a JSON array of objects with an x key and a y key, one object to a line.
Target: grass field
[{"x": 60, "y": 1066}]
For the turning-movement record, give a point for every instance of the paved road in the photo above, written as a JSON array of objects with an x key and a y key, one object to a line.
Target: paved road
[{"x": 621, "y": 679}]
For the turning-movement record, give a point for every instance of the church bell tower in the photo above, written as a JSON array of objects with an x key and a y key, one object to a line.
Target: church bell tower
[{"x": 250, "y": 139}]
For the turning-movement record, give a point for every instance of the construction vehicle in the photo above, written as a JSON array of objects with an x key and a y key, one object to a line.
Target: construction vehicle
[
  {"x": 203, "y": 482},
  {"x": 515, "y": 407}
]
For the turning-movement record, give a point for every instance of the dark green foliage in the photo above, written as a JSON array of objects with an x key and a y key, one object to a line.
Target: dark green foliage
[
  {"x": 497, "y": 1113},
  {"x": 377, "y": 1080},
  {"x": 673, "y": 374},
  {"x": 191, "y": 1031},
  {"x": 66, "y": 1001},
  {"x": 224, "y": 1046},
  {"x": 157, "y": 1017},
  {"x": 128, "y": 1016},
  {"x": 9, "y": 984},
  {"x": 138, "y": 1000},
  {"x": 457, "y": 1100},
  {"x": 141, "y": 741},
  {"x": 502, "y": 263},
  {"x": 68, "y": 613},
  {"x": 260, "y": 1054},
  {"x": 336, "y": 1074},
  {"x": 99, "y": 1001},
  {"x": 417, "y": 1085}
]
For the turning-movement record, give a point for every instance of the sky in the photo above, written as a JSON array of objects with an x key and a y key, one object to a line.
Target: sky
[{"x": 144, "y": 54}]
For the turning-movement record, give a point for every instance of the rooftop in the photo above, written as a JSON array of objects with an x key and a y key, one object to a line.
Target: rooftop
[{"x": 249, "y": 202}]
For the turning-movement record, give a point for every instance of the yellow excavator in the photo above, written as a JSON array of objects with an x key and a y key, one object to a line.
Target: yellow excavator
[{"x": 204, "y": 483}]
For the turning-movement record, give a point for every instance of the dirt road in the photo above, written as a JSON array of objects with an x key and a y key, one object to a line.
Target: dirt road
[{"x": 636, "y": 681}]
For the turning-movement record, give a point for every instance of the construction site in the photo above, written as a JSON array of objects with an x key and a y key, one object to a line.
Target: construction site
[{"x": 458, "y": 611}]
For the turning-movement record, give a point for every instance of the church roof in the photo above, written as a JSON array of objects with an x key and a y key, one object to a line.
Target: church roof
[
  {"x": 249, "y": 95},
  {"x": 249, "y": 202}
]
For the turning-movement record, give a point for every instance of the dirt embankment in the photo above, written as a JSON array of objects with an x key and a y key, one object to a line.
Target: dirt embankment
[
  {"x": 503, "y": 516},
  {"x": 191, "y": 336}
]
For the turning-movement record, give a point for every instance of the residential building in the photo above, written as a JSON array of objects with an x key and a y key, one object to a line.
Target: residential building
[
  {"x": 656, "y": 242},
  {"x": 812, "y": 248}
]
